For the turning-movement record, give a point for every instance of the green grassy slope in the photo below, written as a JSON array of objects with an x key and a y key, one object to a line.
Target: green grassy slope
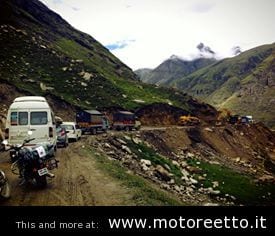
[{"x": 245, "y": 84}]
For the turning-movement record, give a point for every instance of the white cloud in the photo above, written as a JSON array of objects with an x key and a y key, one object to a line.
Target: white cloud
[{"x": 161, "y": 28}]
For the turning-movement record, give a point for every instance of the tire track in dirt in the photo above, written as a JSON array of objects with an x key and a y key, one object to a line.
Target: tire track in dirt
[{"x": 78, "y": 182}]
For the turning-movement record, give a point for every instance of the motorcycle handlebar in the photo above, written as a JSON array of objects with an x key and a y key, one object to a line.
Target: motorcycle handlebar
[
  {"x": 16, "y": 147},
  {"x": 29, "y": 140}
]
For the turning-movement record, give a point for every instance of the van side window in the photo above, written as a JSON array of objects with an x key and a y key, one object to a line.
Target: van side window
[
  {"x": 39, "y": 118},
  {"x": 23, "y": 118},
  {"x": 14, "y": 118}
]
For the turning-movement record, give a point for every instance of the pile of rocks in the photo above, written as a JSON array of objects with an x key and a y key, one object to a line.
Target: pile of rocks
[{"x": 189, "y": 188}]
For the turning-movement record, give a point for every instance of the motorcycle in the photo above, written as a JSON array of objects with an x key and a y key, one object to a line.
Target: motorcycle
[
  {"x": 32, "y": 164},
  {"x": 4, "y": 186}
]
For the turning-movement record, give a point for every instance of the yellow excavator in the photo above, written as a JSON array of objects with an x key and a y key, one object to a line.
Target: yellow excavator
[{"x": 189, "y": 120}]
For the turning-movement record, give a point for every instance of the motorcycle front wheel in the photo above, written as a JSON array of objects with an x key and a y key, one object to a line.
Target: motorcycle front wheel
[{"x": 41, "y": 181}]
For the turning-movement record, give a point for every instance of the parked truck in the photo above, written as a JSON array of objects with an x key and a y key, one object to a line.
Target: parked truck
[
  {"x": 125, "y": 120},
  {"x": 92, "y": 121}
]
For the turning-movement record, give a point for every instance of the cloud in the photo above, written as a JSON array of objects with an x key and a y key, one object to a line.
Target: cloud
[
  {"x": 162, "y": 28},
  {"x": 75, "y": 8},
  {"x": 119, "y": 44},
  {"x": 57, "y": 1},
  {"x": 202, "y": 7}
]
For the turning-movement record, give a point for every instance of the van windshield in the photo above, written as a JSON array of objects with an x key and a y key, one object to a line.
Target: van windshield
[{"x": 39, "y": 118}]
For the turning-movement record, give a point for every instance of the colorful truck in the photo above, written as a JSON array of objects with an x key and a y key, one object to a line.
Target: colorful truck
[
  {"x": 92, "y": 121},
  {"x": 125, "y": 120}
]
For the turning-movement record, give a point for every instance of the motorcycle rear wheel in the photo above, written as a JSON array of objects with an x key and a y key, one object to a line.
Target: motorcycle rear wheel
[{"x": 5, "y": 191}]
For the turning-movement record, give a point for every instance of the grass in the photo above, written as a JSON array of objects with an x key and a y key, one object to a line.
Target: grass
[
  {"x": 144, "y": 152},
  {"x": 144, "y": 193},
  {"x": 241, "y": 186}
]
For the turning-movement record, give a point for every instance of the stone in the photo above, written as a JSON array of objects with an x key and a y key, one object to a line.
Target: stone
[
  {"x": 175, "y": 163},
  {"x": 167, "y": 167},
  {"x": 215, "y": 184},
  {"x": 87, "y": 76},
  {"x": 145, "y": 167},
  {"x": 184, "y": 172},
  {"x": 121, "y": 141},
  {"x": 214, "y": 192},
  {"x": 177, "y": 188},
  {"x": 266, "y": 178},
  {"x": 194, "y": 169},
  {"x": 189, "y": 189},
  {"x": 162, "y": 173},
  {"x": 172, "y": 181},
  {"x": 201, "y": 178},
  {"x": 210, "y": 204},
  {"x": 183, "y": 164},
  {"x": 126, "y": 149},
  {"x": 193, "y": 181},
  {"x": 136, "y": 140},
  {"x": 146, "y": 162},
  {"x": 208, "y": 129},
  {"x": 190, "y": 155},
  {"x": 127, "y": 137},
  {"x": 107, "y": 145}
]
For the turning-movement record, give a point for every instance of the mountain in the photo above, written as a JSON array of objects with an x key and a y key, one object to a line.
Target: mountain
[
  {"x": 172, "y": 69},
  {"x": 244, "y": 84},
  {"x": 42, "y": 54},
  {"x": 143, "y": 73}
]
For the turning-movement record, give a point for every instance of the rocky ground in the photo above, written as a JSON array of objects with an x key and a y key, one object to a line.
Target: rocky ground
[
  {"x": 188, "y": 163},
  {"x": 178, "y": 158}
]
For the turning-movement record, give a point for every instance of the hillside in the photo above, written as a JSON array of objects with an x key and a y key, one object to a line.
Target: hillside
[
  {"x": 41, "y": 54},
  {"x": 244, "y": 84},
  {"x": 172, "y": 69}
]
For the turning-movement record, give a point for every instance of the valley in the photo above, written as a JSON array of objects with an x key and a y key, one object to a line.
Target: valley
[{"x": 211, "y": 163}]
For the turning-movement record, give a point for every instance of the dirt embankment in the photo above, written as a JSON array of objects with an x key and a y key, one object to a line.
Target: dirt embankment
[
  {"x": 243, "y": 146},
  {"x": 164, "y": 114}
]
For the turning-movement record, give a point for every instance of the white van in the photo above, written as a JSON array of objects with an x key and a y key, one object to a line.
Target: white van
[{"x": 30, "y": 113}]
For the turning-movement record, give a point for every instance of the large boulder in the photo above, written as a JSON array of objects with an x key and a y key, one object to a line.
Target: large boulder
[{"x": 162, "y": 173}]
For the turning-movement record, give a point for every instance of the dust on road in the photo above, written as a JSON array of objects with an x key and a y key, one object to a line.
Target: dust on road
[{"x": 77, "y": 182}]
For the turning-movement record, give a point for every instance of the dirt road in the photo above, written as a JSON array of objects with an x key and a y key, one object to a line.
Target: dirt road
[{"x": 78, "y": 182}]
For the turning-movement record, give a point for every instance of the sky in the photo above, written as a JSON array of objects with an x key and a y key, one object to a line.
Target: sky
[{"x": 144, "y": 33}]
